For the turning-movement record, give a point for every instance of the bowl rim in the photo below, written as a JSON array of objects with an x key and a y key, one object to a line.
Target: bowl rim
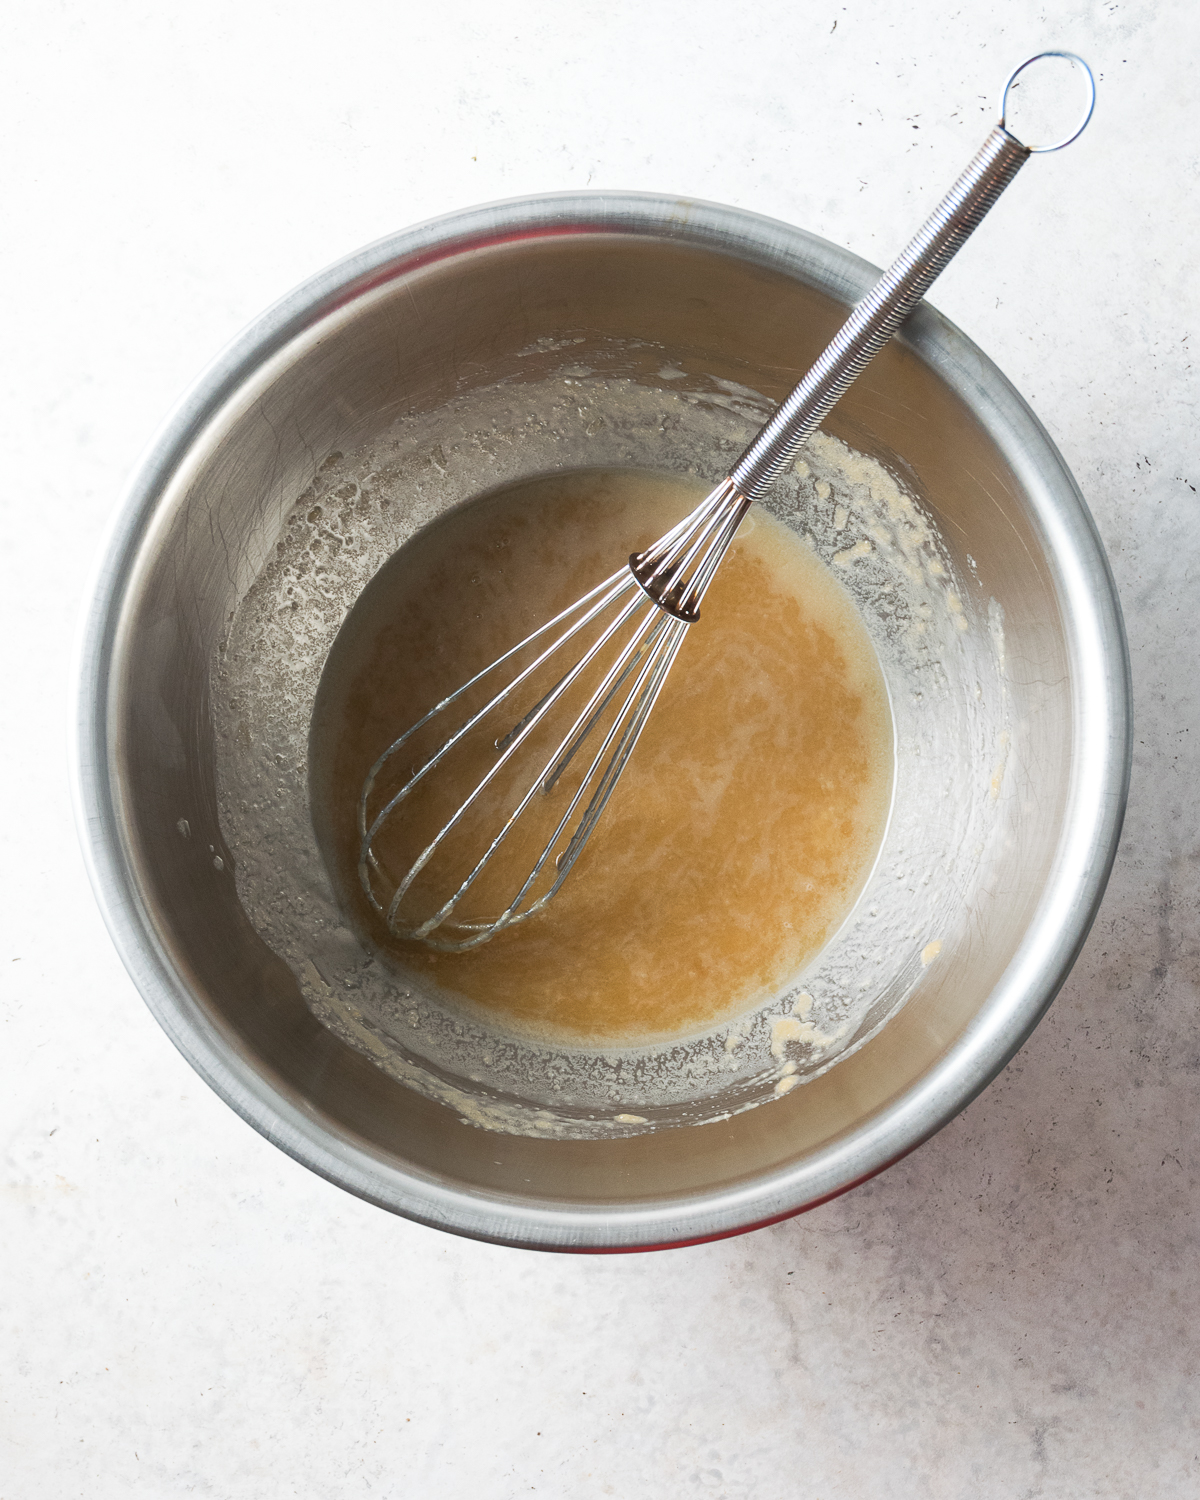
[{"x": 1082, "y": 864}]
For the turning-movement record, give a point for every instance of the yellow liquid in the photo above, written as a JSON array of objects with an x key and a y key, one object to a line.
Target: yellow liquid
[{"x": 748, "y": 816}]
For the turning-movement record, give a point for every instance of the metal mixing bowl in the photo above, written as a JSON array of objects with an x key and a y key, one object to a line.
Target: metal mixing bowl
[{"x": 407, "y": 322}]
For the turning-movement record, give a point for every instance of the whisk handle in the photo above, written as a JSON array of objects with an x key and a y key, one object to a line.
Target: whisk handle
[
  {"x": 677, "y": 570},
  {"x": 876, "y": 318}
]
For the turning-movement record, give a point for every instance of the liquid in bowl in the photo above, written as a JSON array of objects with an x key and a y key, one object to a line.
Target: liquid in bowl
[{"x": 745, "y": 823}]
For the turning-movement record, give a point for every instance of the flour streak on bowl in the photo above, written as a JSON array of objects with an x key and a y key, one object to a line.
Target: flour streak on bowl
[{"x": 673, "y": 324}]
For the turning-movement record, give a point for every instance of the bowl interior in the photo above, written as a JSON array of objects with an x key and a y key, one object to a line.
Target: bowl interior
[{"x": 458, "y": 311}]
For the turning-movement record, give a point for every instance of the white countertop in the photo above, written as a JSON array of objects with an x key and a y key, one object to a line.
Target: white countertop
[{"x": 184, "y": 1310}]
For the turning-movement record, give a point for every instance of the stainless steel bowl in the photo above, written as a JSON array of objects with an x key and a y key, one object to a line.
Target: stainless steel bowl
[{"x": 406, "y": 323}]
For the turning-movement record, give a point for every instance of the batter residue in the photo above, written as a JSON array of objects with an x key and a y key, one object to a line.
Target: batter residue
[{"x": 747, "y": 819}]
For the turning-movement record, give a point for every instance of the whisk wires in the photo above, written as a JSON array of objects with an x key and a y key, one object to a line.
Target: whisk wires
[{"x": 628, "y": 630}]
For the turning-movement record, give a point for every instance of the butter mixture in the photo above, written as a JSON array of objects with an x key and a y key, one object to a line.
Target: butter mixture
[{"x": 746, "y": 821}]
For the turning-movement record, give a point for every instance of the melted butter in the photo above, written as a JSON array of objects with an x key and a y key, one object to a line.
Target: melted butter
[{"x": 747, "y": 819}]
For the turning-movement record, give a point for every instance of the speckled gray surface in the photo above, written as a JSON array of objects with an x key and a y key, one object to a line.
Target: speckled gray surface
[{"x": 183, "y": 1310}]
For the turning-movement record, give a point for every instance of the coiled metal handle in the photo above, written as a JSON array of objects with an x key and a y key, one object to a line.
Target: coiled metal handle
[
  {"x": 881, "y": 312},
  {"x": 677, "y": 570},
  {"x": 877, "y": 317}
]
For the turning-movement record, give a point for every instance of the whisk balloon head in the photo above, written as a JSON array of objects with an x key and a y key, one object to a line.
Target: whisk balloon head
[{"x": 471, "y": 820}]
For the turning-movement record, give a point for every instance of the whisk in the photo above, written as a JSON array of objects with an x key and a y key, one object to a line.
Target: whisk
[{"x": 471, "y": 820}]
